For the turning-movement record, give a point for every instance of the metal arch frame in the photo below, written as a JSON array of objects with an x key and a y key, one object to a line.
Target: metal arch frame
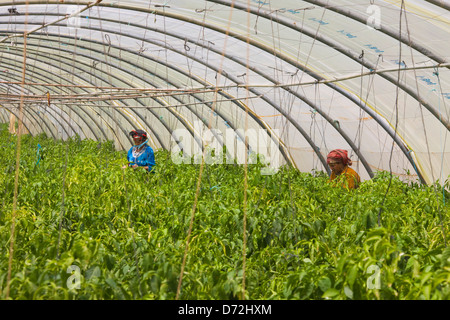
[
  {"x": 81, "y": 117},
  {"x": 176, "y": 116},
  {"x": 329, "y": 42},
  {"x": 95, "y": 112},
  {"x": 52, "y": 109},
  {"x": 439, "y": 4},
  {"x": 407, "y": 42},
  {"x": 305, "y": 135},
  {"x": 197, "y": 79},
  {"x": 29, "y": 116},
  {"x": 42, "y": 75},
  {"x": 222, "y": 93},
  {"x": 138, "y": 116},
  {"x": 209, "y": 66},
  {"x": 388, "y": 31},
  {"x": 87, "y": 113},
  {"x": 309, "y": 72},
  {"x": 17, "y": 116},
  {"x": 181, "y": 120},
  {"x": 354, "y": 56},
  {"x": 3, "y": 115},
  {"x": 380, "y": 123},
  {"x": 48, "y": 78},
  {"x": 120, "y": 80},
  {"x": 333, "y": 86},
  {"x": 136, "y": 9},
  {"x": 30, "y": 112},
  {"x": 296, "y": 125},
  {"x": 71, "y": 109},
  {"x": 295, "y": 27},
  {"x": 178, "y": 70},
  {"x": 165, "y": 80},
  {"x": 35, "y": 123}
]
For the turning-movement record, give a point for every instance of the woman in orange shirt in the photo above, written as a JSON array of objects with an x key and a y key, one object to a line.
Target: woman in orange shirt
[{"x": 341, "y": 173}]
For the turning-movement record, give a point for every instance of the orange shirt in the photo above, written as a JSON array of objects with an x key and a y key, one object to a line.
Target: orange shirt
[{"x": 348, "y": 179}]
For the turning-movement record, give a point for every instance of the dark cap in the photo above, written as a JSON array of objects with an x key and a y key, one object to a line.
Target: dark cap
[{"x": 140, "y": 133}]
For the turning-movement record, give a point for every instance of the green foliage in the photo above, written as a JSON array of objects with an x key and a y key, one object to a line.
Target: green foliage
[{"x": 126, "y": 230}]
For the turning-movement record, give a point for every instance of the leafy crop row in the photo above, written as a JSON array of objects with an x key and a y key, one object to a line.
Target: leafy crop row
[{"x": 125, "y": 231}]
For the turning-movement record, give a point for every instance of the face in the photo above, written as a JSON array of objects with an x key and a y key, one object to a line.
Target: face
[
  {"x": 336, "y": 166},
  {"x": 138, "y": 140}
]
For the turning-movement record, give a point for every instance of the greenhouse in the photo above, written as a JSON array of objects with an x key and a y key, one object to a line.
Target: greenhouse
[{"x": 240, "y": 107}]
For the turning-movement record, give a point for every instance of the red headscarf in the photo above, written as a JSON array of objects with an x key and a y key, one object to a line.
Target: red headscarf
[{"x": 340, "y": 154}]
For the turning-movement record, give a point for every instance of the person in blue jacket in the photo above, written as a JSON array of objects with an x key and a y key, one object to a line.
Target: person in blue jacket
[{"x": 141, "y": 155}]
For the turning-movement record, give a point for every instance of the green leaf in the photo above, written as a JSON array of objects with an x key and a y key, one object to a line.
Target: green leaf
[
  {"x": 359, "y": 236},
  {"x": 351, "y": 277},
  {"x": 324, "y": 284},
  {"x": 330, "y": 293},
  {"x": 112, "y": 283},
  {"x": 445, "y": 259},
  {"x": 348, "y": 292}
]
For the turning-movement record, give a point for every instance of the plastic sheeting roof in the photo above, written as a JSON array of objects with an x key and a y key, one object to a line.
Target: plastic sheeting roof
[{"x": 296, "y": 78}]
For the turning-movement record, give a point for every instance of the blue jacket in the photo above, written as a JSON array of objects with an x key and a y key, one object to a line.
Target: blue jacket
[{"x": 145, "y": 157}]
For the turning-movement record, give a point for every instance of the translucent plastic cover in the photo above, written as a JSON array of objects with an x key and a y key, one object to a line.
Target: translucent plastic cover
[{"x": 293, "y": 79}]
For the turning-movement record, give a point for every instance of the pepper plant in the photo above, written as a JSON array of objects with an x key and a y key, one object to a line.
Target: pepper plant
[{"x": 87, "y": 229}]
